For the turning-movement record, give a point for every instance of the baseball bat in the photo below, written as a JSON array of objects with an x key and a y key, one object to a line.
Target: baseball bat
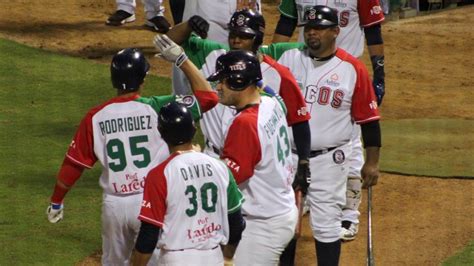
[{"x": 370, "y": 247}]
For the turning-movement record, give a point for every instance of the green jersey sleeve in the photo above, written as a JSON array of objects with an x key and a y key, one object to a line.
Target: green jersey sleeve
[
  {"x": 276, "y": 50},
  {"x": 234, "y": 196},
  {"x": 288, "y": 8},
  {"x": 156, "y": 102},
  {"x": 198, "y": 49}
]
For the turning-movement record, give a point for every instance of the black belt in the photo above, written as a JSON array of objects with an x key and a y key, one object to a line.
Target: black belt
[
  {"x": 213, "y": 148},
  {"x": 315, "y": 153}
]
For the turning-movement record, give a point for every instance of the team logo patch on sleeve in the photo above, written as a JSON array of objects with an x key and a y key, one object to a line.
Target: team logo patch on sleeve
[
  {"x": 187, "y": 100},
  {"x": 338, "y": 156}
]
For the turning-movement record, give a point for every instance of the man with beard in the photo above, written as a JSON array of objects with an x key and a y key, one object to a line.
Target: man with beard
[{"x": 339, "y": 92}]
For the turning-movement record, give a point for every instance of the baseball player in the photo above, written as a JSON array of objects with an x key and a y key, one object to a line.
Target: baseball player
[
  {"x": 121, "y": 134},
  {"x": 339, "y": 93},
  {"x": 154, "y": 12},
  {"x": 246, "y": 31},
  {"x": 257, "y": 149},
  {"x": 356, "y": 20},
  {"x": 189, "y": 231}
]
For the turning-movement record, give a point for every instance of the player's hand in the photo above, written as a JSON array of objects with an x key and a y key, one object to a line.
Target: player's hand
[
  {"x": 303, "y": 177},
  {"x": 169, "y": 50},
  {"x": 378, "y": 67},
  {"x": 199, "y": 25},
  {"x": 370, "y": 175},
  {"x": 55, "y": 212}
]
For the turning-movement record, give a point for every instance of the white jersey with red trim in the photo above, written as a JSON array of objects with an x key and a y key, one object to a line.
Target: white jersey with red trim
[
  {"x": 258, "y": 150},
  {"x": 122, "y": 134},
  {"x": 337, "y": 93},
  {"x": 189, "y": 196},
  {"x": 354, "y": 15},
  {"x": 204, "y": 54}
]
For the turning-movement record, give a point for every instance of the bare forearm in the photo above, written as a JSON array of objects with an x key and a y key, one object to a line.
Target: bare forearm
[
  {"x": 376, "y": 49},
  {"x": 372, "y": 155},
  {"x": 280, "y": 38},
  {"x": 140, "y": 259},
  {"x": 180, "y": 33}
]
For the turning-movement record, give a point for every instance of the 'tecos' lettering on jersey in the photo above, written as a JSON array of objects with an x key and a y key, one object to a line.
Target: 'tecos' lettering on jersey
[
  {"x": 196, "y": 171},
  {"x": 125, "y": 124}
]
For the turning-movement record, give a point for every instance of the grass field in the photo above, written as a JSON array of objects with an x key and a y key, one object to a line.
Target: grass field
[{"x": 43, "y": 97}]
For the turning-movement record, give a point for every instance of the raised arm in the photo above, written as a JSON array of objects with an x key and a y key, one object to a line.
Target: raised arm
[
  {"x": 174, "y": 53},
  {"x": 181, "y": 32}
]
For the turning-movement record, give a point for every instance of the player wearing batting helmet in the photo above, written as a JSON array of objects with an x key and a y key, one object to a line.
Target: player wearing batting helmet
[
  {"x": 258, "y": 151},
  {"x": 122, "y": 135},
  {"x": 212, "y": 216},
  {"x": 246, "y": 30},
  {"x": 339, "y": 90},
  {"x": 357, "y": 19}
]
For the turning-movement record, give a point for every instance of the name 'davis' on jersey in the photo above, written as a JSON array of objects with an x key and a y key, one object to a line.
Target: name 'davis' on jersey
[
  {"x": 125, "y": 124},
  {"x": 196, "y": 171},
  {"x": 272, "y": 123}
]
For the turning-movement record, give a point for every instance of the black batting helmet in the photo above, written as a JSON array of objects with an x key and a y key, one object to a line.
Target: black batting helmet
[
  {"x": 321, "y": 16},
  {"x": 128, "y": 69},
  {"x": 240, "y": 68},
  {"x": 249, "y": 22},
  {"x": 176, "y": 124}
]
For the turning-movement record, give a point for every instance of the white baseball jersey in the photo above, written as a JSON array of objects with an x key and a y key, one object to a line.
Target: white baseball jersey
[
  {"x": 204, "y": 54},
  {"x": 354, "y": 15},
  {"x": 189, "y": 196},
  {"x": 337, "y": 92},
  {"x": 122, "y": 134},
  {"x": 258, "y": 151}
]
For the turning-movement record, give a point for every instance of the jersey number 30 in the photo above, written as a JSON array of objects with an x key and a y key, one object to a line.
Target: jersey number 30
[{"x": 208, "y": 196}]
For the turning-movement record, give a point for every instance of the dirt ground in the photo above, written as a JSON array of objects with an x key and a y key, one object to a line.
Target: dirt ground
[{"x": 416, "y": 221}]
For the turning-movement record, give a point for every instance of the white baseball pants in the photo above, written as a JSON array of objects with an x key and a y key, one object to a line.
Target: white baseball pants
[
  {"x": 152, "y": 8},
  {"x": 327, "y": 192},
  {"x": 263, "y": 240}
]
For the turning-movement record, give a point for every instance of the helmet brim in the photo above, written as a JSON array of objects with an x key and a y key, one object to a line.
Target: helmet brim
[{"x": 218, "y": 75}]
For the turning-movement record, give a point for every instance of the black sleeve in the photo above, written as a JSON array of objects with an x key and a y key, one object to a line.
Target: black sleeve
[
  {"x": 286, "y": 26},
  {"x": 236, "y": 226},
  {"x": 147, "y": 238},
  {"x": 371, "y": 134},
  {"x": 373, "y": 34},
  {"x": 302, "y": 137}
]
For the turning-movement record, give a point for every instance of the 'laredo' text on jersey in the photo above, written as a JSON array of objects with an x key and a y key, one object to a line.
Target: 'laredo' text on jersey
[
  {"x": 189, "y": 196},
  {"x": 122, "y": 134}
]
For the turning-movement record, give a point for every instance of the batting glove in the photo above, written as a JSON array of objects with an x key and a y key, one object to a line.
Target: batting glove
[
  {"x": 55, "y": 212},
  {"x": 169, "y": 50},
  {"x": 303, "y": 177},
  {"x": 199, "y": 25},
  {"x": 379, "y": 77}
]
